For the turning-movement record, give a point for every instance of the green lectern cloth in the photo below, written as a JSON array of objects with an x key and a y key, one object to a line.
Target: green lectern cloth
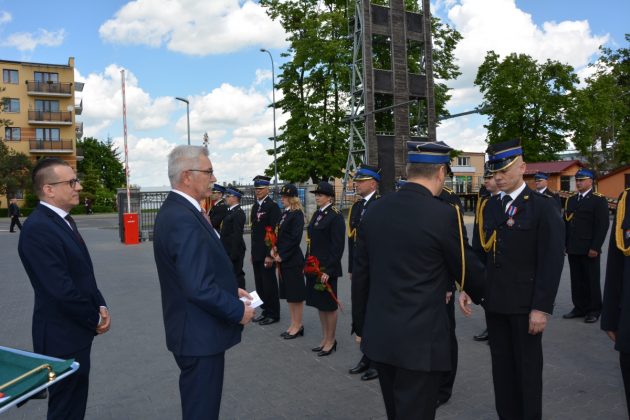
[{"x": 13, "y": 365}]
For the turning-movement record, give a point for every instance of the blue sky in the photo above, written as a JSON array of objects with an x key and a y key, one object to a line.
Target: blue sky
[{"x": 208, "y": 52}]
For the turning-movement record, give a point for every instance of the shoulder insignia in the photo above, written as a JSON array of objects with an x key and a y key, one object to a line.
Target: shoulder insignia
[
  {"x": 335, "y": 209},
  {"x": 599, "y": 194},
  {"x": 537, "y": 194},
  {"x": 448, "y": 190}
]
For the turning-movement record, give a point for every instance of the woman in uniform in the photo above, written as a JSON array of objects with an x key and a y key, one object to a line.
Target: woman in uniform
[
  {"x": 326, "y": 233},
  {"x": 290, "y": 259}
]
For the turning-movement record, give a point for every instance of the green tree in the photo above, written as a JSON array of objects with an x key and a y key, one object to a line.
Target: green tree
[
  {"x": 527, "y": 100},
  {"x": 15, "y": 171},
  {"x": 601, "y": 118},
  {"x": 315, "y": 82},
  {"x": 102, "y": 161}
]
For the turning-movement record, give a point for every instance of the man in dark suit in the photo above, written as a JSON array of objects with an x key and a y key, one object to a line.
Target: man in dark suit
[
  {"x": 203, "y": 315},
  {"x": 524, "y": 239},
  {"x": 408, "y": 253},
  {"x": 265, "y": 213},
  {"x": 541, "y": 179},
  {"x": 366, "y": 181},
  {"x": 616, "y": 306},
  {"x": 14, "y": 214},
  {"x": 219, "y": 207},
  {"x": 232, "y": 229},
  {"x": 69, "y": 309},
  {"x": 586, "y": 216}
]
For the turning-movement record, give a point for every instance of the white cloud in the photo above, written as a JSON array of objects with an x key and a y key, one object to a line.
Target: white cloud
[
  {"x": 147, "y": 159},
  {"x": 501, "y": 26},
  {"x": 28, "y": 41},
  {"x": 5, "y": 17},
  {"x": 262, "y": 75},
  {"x": 102, "y": 102},
  {"x": 194, "y": 27},
  {"x": 464, "y": 133}
]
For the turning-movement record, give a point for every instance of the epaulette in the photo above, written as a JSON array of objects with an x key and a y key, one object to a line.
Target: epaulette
[
  {"x": 599, "y": 194},
  {"x": 540, "y": 194},
  {"x": 335, "y": 209},
  {"x": 448, "y": 190}
]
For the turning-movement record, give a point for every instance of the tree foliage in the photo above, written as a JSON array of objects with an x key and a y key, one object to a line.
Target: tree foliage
[
  {"x": 15, "y": 171},
  {"x": 601, "y": 118},
  {"x": 101, "y": 165},
  {"x": 315, "y": 82},
  {"x": 527, "y": 100}
]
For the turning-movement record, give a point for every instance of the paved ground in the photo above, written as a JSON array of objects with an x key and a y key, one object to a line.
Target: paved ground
[{"x": 135, "y": 377}]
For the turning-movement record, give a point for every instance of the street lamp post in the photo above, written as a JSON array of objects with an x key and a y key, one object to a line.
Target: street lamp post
[
  {"x": 187, "y": 115},
  {"x": 273, "y": 95}
]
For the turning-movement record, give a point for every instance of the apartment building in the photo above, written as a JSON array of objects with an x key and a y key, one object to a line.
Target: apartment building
[{"x": 39, "y": 100}]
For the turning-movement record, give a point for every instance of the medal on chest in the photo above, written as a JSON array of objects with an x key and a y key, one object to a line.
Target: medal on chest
[
  {"x": 627, "y": 234},
  {"x": 319, "y": 217},
  {"x": 259, "y": 215},
  {"x": 284, "y": 216},
  {"x": 511, "y": 213}
]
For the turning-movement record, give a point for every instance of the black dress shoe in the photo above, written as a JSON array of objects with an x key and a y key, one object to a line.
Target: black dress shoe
[
  {"x": 591, "y": 318},
  {"x": 318, "y": 348},
  {"x": 259, "y": 318},
  {"x": 359, "y": 368},
  {"x": 327, "y": 352},
  {"x": 482, "y": 337},
  {"x": 284, "y": 334},
  {"x": 268, "y": 321},
  {"x": 300, "y": 332},
  {"x": 573, "y": 314},
  {"x": 369, "y": 374}
]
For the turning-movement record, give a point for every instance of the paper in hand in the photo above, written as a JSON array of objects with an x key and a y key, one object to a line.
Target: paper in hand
[{"x": 256, "y": 300}]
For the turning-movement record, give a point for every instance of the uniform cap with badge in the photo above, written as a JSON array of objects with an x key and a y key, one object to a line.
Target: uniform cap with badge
[
  {"x": 366, "y": 172},
  {"x": 584, "y": 173},
  {"x": 324, "y": 188},
  {"x": 261, "y": 181},
  {"x": 289, "y": 190},
  {"x": 231, "y": 190},
  {"x": 218, "y": 188},
  {"x": 431, "y": 152},
  {"x": 541, "y": 175},
  {"x": 502, "y": 155}
]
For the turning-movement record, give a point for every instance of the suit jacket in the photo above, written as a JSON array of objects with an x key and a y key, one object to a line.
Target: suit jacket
[
  {"x": 200, "y": 302},
  {"x": 523, "y": 272},
  {"x": 586, "y": 223},
  {"x": 357, "y": 211},
  {"x": 326, "y": 232},
  {"x": 67, "y": 299},
  {"x": 262, "y": 216},
  {"x": 232, "y": 229},
  {"x": 217, "y": 213},
  {"x": 407, "y": 256},
  {"x": 290, "y": 230},
  {"x": 14, "y": 210},
  {"x": 616, "y": 304}
]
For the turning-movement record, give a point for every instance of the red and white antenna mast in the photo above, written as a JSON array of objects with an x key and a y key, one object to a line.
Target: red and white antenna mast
[{"x": 122, "y": 76}]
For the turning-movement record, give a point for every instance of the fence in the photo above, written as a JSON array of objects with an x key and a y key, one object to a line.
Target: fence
[{"x": 147, "y": 204}]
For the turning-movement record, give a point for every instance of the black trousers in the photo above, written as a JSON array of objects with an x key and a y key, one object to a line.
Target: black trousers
[
  {"x": 267, "y": 288},
  {"x": 517, "y": 363},
  {"x": 586, "y": 290},
  {"x": 237, "y": 266},
  {"x": 624, "y": 363},
  {"x": 448, "y": 378},
  {"x": 15, "y": 220},
  {"x": 201, "y": 385},
  {"x": 67, "y": 399},
  {"x": 408, "y": 394}
]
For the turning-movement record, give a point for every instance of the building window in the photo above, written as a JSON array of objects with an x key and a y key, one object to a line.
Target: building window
[
  {"x": 12, "y": 134},
  {"x": 46, "y": 106},
  {"x": 10, "y": 76},
  {"x": 41, "y": 76},
  {"x": 51, "y": 134},
  {"x": 463, "y": 161},
  {"x": 565, "y": 183},
  {"x": 463, "y": 184},
  {"x": 11, "y": 105}
]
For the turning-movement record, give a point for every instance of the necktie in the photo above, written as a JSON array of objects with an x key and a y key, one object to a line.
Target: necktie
[
  {"x": 579, "y": 197},
  {"x": 75, "y": 230},
  {"x": 505, "y": 200}
]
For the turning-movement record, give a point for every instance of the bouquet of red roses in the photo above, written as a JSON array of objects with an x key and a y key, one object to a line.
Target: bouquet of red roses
[
  {"x": 312, "y": 268},
  {"x": 271, "y": 239}
]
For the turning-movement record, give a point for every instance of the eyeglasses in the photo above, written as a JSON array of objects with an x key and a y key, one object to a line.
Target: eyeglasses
[
  {"x": 72, "y": 182},
  {"x": 205, "y": 171}
]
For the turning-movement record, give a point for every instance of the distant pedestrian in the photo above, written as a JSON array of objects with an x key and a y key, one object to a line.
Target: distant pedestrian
[
  {"x": 14, "y": 214},
  {"x": 88, "y": 205}
]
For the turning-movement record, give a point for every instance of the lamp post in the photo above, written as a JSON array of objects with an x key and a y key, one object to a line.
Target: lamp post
[
  {"x": 273, "y": 95},
  {"x": 187, "y": 115}
]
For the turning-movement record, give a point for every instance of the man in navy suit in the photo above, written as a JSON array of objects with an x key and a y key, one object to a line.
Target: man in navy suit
[
  {"x": 203, "y": 315},
  {"x": 69, "y": 309}
]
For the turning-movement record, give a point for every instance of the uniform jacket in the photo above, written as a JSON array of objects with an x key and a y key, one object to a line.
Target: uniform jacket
[
  {"x": 554, "y": 195},
  {"x": 616, "y": 304},
  {"x": 357, "y": 211},
  {"x": 232, "y": 229},
  {"x": 524, "y": 268},
  {"x": 199, "y": 291},
  {"x": 407, "y": 256},
  {"x": 290, "y": 230},
  {"x": 326, "y": 232},
  {"x": 67, "y": 299},
  {"x": 14, "y": 210},
  {"x": 217, "y": 214},
  {"x": 586, "y": 223},
  {"x": 262, "y": 216}
]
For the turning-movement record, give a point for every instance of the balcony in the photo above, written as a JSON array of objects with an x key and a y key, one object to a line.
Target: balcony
[
  {"x": 49, "y": 88},
  {"x": 49, "y": 117},
  {"x": 79, "y": 130},
  {"x": 78, "y": 109},
  {"x": 50, "y": 146}
]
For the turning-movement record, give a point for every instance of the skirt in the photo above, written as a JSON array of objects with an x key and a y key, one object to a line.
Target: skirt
[
  {"x": 291, "y": 285},
  {"x": 321, "y": 299}
]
